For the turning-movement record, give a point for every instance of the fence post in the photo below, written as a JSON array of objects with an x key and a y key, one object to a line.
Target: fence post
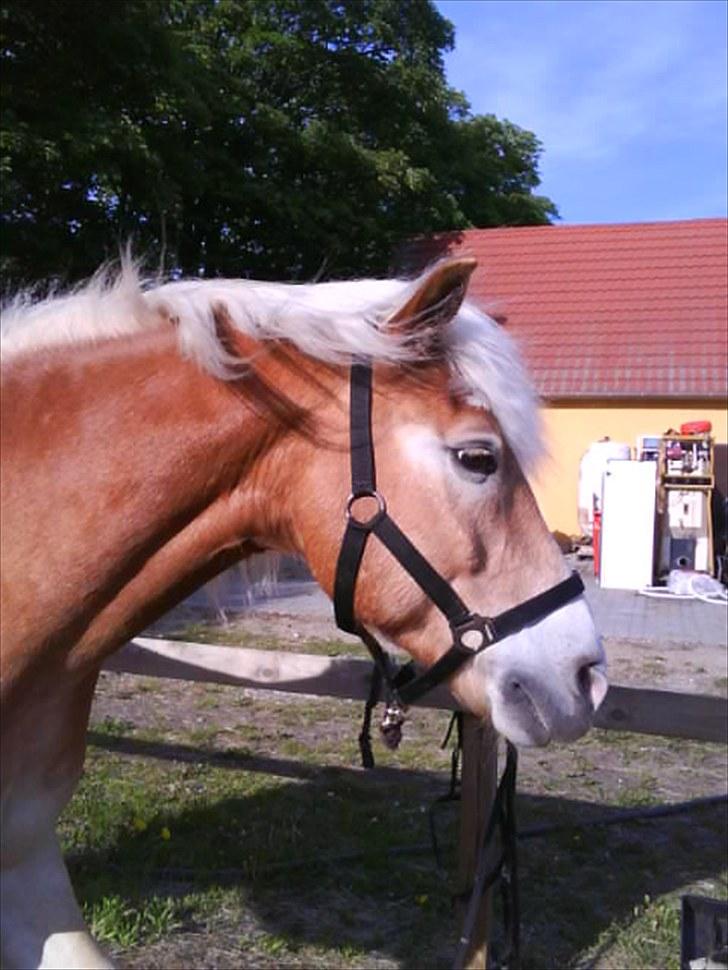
[{"x": 478, "y": 788}]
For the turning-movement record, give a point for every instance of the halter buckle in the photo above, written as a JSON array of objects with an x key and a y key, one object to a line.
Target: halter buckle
[{"x": 367, "y": 524}]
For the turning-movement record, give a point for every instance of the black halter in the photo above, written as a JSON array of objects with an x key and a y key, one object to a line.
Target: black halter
[{"x": 471, "y": 633}]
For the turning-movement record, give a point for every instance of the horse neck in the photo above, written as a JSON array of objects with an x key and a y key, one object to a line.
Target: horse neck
[{"x": 165, "y": 475}]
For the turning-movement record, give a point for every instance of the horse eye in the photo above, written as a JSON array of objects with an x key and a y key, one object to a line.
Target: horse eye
[{"x": 477, "y": 461}]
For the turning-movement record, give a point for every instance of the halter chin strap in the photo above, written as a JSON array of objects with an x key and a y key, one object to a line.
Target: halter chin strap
[{"x": 471, "y": 633}]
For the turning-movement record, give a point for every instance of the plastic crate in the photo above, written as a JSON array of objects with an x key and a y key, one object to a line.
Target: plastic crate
[{"x": 703, "y": 933}]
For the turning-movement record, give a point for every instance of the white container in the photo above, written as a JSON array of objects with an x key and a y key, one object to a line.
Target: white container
[
  {"x": 592, "y": 466},
  {"x": 628, "y": 525}
]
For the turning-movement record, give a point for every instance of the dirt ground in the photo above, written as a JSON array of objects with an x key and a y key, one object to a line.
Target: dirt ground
[{"x": 698, "y": 669}]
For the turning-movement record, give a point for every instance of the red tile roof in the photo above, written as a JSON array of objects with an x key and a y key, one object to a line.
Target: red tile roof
[{"x": 629, "y": 310}]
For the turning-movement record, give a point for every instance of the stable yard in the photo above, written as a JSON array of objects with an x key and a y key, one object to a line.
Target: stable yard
[{"x": 220, "y": 827}]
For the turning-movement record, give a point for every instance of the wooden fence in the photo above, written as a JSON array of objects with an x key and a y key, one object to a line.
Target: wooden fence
[{"x": 669, "y": 713}]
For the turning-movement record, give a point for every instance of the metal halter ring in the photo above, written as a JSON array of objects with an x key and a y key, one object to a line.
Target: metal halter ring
[{"x": 372, "y": 520}]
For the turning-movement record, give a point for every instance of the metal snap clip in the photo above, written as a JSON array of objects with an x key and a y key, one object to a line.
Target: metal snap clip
[{"x": 391, "y": 725}]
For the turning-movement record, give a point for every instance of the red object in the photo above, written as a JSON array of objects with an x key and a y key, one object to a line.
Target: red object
[
  {"x": 626, "y": 310},
  {"x": 696, "y": 427},
  {"x": 596, "y": 538}
]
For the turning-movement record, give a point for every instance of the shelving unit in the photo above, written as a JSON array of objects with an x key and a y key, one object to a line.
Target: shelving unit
[{"x": 686, "y": 479}]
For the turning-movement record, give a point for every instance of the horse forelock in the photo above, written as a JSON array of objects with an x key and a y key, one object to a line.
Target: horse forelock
[{"x": 331, "y": 322}]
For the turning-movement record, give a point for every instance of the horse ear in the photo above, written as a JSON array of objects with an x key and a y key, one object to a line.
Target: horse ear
[{"x": 435, "y": 301}]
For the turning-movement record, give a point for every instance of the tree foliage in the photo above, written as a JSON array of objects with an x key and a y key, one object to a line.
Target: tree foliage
[{"x": 264, "y": 138}]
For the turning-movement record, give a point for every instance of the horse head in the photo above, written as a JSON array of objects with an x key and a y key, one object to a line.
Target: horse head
[{"x": 451, "y": 432}]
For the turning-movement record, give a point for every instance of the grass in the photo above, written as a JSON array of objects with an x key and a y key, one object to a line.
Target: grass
[
  {"x": 208, "y": 826},
  {"x": 115, "y": 920},
  {"x": 649, "y": 936},
  {"x": 641, "y": 791},
  {"x": 114, "y": 726},
  {"x": 236, "y": 634}
]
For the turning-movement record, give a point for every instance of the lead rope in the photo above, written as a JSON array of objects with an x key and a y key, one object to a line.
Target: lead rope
[
  {"x": 453, "y": 792},
  {"x": 365, "y": 735},
  {"x": 506, "y": 869}
]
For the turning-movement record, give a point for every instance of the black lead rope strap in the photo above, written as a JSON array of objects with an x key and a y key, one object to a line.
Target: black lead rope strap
[
  {"x": 502, "y": 816},
  {"x": 365, "y": 735},
  {"x": 505, "y": 871},
  {"x": 453, "y": 792}
]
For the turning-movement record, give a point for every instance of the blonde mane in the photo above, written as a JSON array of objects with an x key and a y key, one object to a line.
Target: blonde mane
[{"x": 331, "y": 322}]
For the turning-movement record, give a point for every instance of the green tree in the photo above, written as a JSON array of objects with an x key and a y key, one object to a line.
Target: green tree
[{"x": 267, "y": 138}]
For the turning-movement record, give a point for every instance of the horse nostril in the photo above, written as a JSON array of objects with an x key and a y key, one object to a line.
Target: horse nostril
[
  {"x": 514, "y": 690},
  {"x": 583, "y": 679},
  {"x": 592, "y": 683}
]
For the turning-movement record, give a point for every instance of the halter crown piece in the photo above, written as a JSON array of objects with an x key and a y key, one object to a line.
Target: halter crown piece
[{"x": 471, "y": 633}]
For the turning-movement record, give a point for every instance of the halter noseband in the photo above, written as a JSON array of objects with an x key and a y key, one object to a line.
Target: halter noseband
[{"x": 471, "y": 633}]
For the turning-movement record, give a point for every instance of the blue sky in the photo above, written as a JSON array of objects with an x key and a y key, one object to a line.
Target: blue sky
[{"x": 628, "y": 97}]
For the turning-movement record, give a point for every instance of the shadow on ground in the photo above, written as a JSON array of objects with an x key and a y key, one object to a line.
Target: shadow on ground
[{"x": 337, "y": 861}]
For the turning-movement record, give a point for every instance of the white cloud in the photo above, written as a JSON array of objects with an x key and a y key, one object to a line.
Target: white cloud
[{"x": 593, "y": 78}]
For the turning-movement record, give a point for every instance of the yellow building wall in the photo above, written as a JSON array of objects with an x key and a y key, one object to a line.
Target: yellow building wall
[{"x": 572, "y": 426}]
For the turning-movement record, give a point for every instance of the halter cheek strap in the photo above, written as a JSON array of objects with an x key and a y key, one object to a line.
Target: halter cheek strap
[{"x": 471, "y": 633}]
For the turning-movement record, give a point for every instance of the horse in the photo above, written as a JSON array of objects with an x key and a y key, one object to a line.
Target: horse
[{"x": 156, "y": 433}]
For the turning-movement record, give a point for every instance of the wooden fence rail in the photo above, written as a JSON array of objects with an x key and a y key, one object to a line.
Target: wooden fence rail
[{"x": 670, "y": 713}]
